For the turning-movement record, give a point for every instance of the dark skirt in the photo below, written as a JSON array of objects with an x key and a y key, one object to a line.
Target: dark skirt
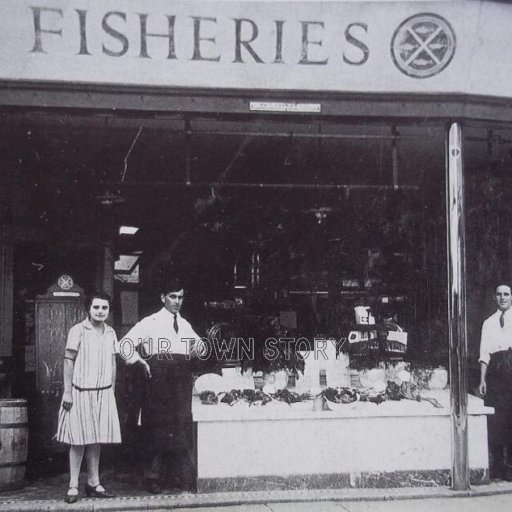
[{"x": 166, "y": 413}]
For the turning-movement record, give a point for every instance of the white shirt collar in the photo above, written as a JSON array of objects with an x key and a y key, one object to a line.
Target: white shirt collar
[{"x": 164, "y": 311}]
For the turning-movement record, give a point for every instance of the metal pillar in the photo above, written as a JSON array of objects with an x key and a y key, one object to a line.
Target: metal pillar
[{"x": 456, "y": 258}]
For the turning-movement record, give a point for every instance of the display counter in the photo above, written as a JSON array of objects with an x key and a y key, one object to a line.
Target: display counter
[{"x": 281, "y": 446}]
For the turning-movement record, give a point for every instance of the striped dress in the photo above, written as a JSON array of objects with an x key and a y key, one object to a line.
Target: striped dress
[{"x": 93, "y": 417}]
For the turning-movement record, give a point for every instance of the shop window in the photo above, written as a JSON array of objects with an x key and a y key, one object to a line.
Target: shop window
[{"x": 126, "y": 268}]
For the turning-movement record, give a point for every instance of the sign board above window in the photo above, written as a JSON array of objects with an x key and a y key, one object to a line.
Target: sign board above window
[{"x": 375, "y": 47}]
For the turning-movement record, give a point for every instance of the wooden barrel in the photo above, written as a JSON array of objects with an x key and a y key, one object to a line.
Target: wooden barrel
[{"x": 13, "y": 443}]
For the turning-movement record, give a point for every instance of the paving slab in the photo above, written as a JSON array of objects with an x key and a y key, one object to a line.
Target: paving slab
[
  {"x": 47, "y": 494},
  {"x": 498, "y": 503},
  {"x": 233, "y": 508},
  {"x": 327, "y": 506}
]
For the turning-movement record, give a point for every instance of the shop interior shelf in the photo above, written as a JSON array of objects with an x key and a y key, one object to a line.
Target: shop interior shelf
[
  {"x": 367, "y": 347},
  {"x": 370, "y": 327}
]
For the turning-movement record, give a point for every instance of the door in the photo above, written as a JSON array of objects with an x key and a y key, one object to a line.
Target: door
[{"x": 56, "y": 312}]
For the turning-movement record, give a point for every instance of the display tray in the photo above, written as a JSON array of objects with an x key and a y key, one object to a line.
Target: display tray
[{"x": 282, "y": 411}]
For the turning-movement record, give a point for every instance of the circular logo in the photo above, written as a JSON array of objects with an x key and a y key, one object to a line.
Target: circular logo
[
  {"x": 423, "y": 45},
  {"x": 65, "y": 282}
]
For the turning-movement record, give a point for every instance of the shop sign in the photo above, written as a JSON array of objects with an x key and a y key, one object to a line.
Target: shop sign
[
  {"x": 272, "y": 106},
  {"x": 423, "y": 45},
  {"x": 346, "y": 46},
  {"x": 65, "y": 284}
]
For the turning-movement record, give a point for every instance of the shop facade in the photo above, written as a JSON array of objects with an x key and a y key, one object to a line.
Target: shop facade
[{"x": 293, "y": 158}]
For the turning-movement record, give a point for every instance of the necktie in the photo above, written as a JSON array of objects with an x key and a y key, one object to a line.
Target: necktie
[
  {"x": 502, "y": 319},
  {"x": 176, "y": 323}
]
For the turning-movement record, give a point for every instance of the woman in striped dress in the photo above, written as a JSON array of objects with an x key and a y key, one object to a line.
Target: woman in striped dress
[{"x": 88, "y": 416}]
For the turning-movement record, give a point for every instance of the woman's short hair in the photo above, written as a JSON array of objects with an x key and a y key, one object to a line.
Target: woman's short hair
[{"x": 96, "y": 295}]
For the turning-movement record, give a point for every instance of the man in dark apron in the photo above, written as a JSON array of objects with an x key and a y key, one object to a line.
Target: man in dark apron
[
  {"x": 167, "y": 343},
  {"x": 496, "y": 381}
]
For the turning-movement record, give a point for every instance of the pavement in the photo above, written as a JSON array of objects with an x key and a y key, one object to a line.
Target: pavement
[{"x": 46, "y": 494}]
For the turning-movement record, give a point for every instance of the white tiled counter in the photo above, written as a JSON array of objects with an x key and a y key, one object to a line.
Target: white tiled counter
[{"x": 395, "y": 443}]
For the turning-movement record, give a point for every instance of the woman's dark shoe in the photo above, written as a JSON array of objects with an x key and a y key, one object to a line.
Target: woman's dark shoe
[
  {"x": 93, "y": 492},
  {"x": 72, "y": 495}
]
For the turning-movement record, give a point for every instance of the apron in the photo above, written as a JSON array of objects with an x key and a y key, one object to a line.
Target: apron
[
  {"x": 167, "y": 411},
  {"x": 499, "y": 378},
  {"x": 499, "y": 396}
]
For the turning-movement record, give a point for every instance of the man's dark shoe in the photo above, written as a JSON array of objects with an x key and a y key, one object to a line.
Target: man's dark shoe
[
  {"x": 497, "y": 472},
  {"x": 174, "y": 482},
  {"x": 152, "y": 486}
]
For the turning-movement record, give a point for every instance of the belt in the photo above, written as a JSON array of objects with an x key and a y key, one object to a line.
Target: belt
[{"x": 92, "y": 389}]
